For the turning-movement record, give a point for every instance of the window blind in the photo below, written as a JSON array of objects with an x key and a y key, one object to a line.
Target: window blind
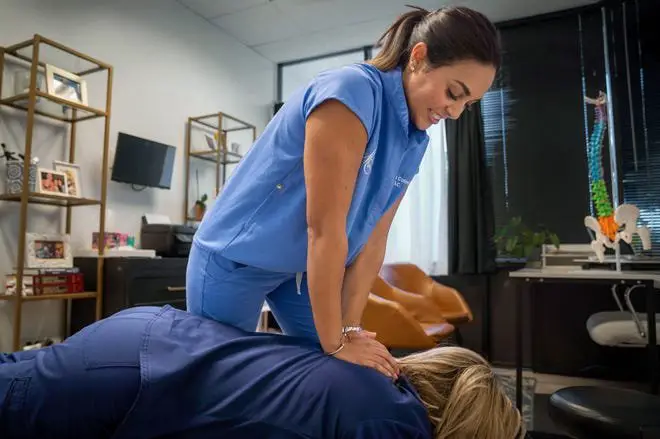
[
  {"x": 638, "y": 92},
  {"x": 534, "y": 128}
]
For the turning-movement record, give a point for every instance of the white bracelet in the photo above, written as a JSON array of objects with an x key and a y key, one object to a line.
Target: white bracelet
[{"x": 346, "y": 329}]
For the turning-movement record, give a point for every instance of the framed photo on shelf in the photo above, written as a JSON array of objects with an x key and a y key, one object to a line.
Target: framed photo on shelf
[
  {"x": 47, "y": 251},
  {"x": 72, "y": 172},
  {"x": 210, "y": 141},
  {"x": 51, "y": 182},
  {"x": 65, "y": 85}
]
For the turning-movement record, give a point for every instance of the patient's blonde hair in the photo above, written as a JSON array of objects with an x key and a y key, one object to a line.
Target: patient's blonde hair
[{"x": 462, "y": 394}]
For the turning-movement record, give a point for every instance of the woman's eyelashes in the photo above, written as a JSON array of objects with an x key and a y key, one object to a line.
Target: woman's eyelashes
[{"x": 451, "y": 95}]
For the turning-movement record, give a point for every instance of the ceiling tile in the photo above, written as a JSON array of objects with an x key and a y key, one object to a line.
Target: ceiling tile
[
  {"x": 215, "y": 8},
  {"x": 259, "y": 25},
  {"x": 320, "y": 15},
  {"x": 319, "y": 43}
]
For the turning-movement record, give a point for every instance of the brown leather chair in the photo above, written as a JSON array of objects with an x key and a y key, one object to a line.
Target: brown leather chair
[
  {"x": 411, "y": 279},
  {"x": 423, "y": 309},
  {"x": 397, "y": 328}
]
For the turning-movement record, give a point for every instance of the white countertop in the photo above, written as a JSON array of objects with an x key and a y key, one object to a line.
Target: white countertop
[{"x": 577, "y": 273}]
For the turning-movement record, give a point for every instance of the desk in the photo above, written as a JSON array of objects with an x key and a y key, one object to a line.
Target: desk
[{"x": 528, "y": 276}]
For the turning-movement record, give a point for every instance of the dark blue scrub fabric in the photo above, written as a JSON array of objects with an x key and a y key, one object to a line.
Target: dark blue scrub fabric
[{"x": 199, "y": 379}]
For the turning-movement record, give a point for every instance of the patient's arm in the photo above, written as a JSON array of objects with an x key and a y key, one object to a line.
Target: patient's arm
[{"x": 379, "y": 429}]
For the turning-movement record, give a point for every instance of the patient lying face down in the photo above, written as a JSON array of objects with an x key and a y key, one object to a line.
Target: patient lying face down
[{"x": 152, "y": 372}]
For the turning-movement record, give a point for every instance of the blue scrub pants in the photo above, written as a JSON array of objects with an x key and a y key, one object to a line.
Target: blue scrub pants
[
  {"x": 232, "y": 293},
  {"x": 81, "y": 388}
]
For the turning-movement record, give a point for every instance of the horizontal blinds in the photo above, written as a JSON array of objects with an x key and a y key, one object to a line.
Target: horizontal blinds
[{"x": 638, "y": 122}]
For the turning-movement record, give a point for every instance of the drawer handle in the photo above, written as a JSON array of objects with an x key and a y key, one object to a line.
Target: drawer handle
[{"x": 176, "y": 289}]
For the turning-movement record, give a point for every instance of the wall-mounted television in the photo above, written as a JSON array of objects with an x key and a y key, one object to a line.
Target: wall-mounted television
[{"x": 143, "y": 162}]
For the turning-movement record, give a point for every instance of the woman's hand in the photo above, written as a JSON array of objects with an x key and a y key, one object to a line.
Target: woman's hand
[{"x": 362, "y": 348}]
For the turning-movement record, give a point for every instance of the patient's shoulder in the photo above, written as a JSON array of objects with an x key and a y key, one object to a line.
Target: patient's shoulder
[{"x": 363, "y": 395}]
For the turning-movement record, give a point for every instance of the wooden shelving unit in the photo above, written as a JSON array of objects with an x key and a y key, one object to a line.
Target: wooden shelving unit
[
  {"x": 50, "y": 107},
  {"x": 223, "y": 124}
]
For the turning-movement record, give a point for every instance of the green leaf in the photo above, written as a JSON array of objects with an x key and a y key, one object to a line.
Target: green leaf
[
  {"x": 554, "y": 239},
  {"x": 511, "y": 244}
]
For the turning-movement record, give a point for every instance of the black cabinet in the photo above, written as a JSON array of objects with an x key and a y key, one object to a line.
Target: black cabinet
[{"x": 130, "y": 282}]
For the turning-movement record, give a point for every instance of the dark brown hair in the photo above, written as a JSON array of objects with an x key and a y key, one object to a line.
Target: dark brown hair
[{"x": 451, "y": 34}]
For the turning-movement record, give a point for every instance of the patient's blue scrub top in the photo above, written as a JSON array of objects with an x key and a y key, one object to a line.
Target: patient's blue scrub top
[{"x": 202, "y": 379}]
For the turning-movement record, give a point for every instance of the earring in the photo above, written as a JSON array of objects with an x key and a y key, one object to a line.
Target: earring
[{"x": 412, "y": 67}]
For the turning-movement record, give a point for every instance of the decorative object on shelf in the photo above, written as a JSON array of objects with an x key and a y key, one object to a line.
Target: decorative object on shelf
[
  {"x": 516, "y": 240},
  {"x": 47, "y": 251},
  {"x": 52, "y": 182},
  {"x": 65, "y": 85},
  {"x": 210, "y": 141},
  {"x": 14, "y": 181},
  {"x": 200, "y": 207},
  {"x": 22, "y": 82},
  {"x": 609, "y": 226},
  {"x": 10, "y": 156},
  {"x": 235, "y": 147},
  {"x": 220, "y": 142},
  {"x": 113, "y": 240},
  {"x": 14, "y": 167},
  {"x": 72, "y": 172}
]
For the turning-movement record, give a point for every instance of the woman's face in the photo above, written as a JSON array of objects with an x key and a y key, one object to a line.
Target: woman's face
[{"x": 443, "y": 92}]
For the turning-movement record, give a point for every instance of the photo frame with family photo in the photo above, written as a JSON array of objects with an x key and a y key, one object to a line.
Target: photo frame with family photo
[
  {"x": 72, "y": 172},
  {"x": 52, "y": 182},
  {"x": 47, "y": 251},
  {"x": 65, "y": 85}
]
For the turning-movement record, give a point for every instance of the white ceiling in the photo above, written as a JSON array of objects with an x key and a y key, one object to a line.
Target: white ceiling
[{"x": 285, "y": 30}]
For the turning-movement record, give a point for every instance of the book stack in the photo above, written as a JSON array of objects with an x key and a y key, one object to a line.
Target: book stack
[{"x": 46, "y": 281}]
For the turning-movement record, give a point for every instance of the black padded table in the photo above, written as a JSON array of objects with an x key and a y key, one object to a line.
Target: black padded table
[{"x": 589, "y": 412}]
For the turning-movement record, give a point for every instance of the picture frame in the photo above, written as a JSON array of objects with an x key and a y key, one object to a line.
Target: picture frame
[
  {"x": 48, "y": 251},
  {"x": 210, "y": 142},
  {"x": 51, "y": 182},
  {"x": 72, "y": 172},
  {"x": 65, "y": 85}
]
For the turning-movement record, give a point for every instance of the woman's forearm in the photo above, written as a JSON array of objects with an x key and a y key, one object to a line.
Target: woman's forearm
[
  {"x": 325, "y": 275},
  {"x": 358, "y": 280},
  {"x": 362, "y": 273}
]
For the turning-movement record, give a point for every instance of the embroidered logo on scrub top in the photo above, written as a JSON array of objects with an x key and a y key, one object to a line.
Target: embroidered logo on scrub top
[
  {"x": 400, "y": 181},
  {"x": 368, "y": 162}
]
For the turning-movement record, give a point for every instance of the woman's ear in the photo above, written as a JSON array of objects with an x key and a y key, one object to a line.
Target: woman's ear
[{"x": 418, "y": 56}]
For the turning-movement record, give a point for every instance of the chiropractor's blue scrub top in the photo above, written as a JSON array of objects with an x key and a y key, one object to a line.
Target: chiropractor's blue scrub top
[
  {"x": 259, "y": 217},
  {"x": 203, "y": 379}
]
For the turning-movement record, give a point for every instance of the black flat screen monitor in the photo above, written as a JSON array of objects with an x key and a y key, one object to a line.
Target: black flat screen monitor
[{"x": 143, "y": 162}]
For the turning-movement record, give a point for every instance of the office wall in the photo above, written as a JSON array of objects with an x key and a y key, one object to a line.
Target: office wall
[{"x": 169, "y": 65}]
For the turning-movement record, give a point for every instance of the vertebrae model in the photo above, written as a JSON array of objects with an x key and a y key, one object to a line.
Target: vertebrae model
[{"x": 609, "y": 226}]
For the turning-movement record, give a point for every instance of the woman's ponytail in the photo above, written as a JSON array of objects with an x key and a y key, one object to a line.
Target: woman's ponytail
[
  {"x": 451, "y": 34},
  {"x": 396, "y": 40}
]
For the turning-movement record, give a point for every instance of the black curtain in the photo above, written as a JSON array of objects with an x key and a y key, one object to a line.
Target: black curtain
[{"x": 470, "y": 210}]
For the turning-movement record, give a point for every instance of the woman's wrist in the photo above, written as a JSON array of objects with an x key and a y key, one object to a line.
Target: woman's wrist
[{"x": 331, "y": 346}]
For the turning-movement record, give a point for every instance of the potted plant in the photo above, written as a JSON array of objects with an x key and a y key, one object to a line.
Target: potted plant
[
  {"x": 200, "y": 207},
  {"x": 516, "y": 241}
]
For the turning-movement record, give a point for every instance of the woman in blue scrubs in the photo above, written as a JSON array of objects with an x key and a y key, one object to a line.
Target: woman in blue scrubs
[
  {"x": 303, "y": 221},
  {"x": 150, "y": 372}
]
